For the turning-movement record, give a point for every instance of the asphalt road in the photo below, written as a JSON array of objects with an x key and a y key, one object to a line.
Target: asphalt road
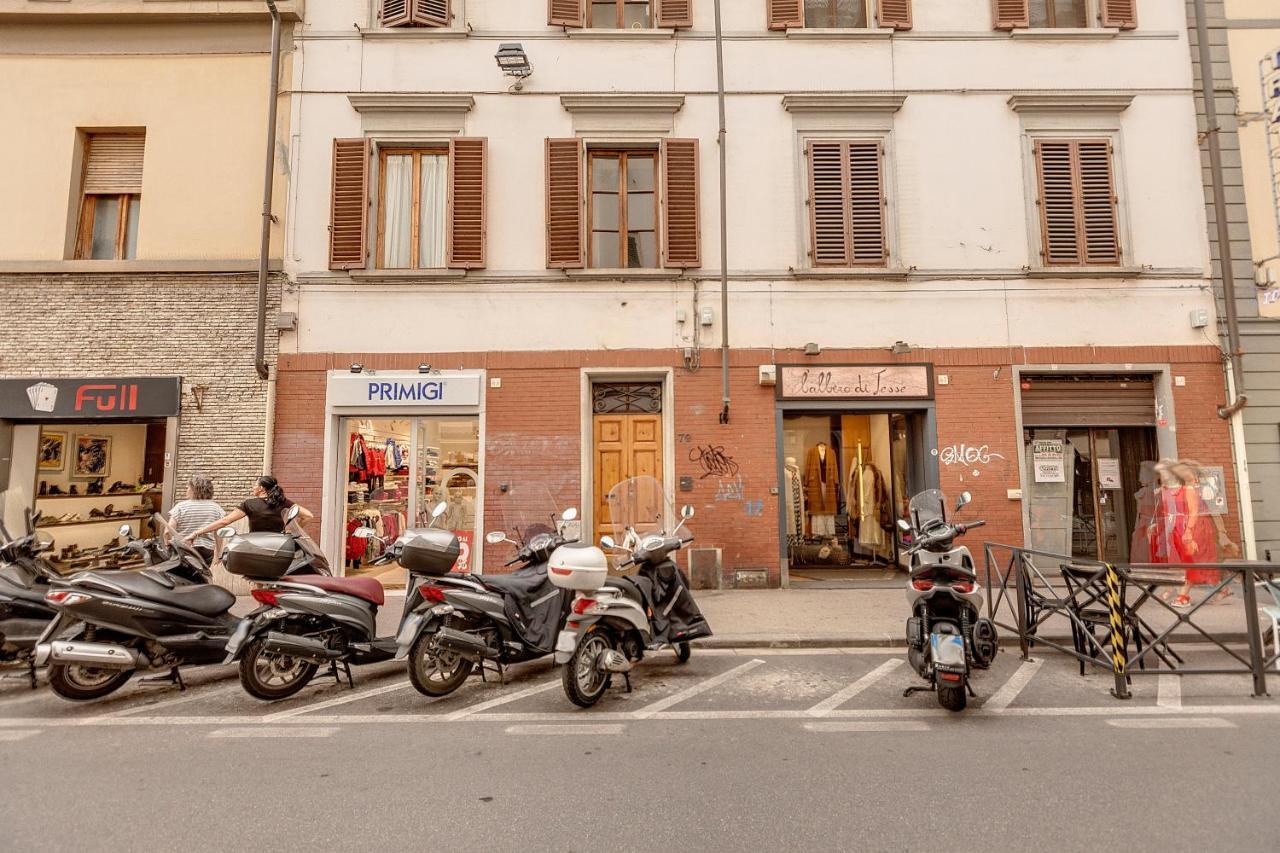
[{"x": 735, "y": 751}]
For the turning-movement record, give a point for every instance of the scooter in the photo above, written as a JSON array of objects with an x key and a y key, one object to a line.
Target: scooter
[
  {"x": 24, "y": 581},
  {"x": 165, "y": 616},
  {"x": 309, "y": 621},
  {"x": 615, "y": 620},
  {"x": 458, "y": 623},
  {"x": 946, "y": 637}
]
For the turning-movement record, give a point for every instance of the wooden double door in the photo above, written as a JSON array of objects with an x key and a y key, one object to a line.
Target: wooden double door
[{"x": 625, "y": 445}]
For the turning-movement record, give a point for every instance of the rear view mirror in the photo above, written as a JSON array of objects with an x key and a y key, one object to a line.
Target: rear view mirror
[
  {"x": 439, "y": 509},
  {"x": 292, "y": 513},
  {"x": 125, "y": 530},
  {"x": 965, "y": 498},
  {"x": 686, "y": 512},
  {"x": 226, "y": 533},
  {"x": 904, "y": 526},
  {"x": 44, "y": 539},
  {"x": 493, "y": 537},
  {"x": 569, "y": 514},
  {"x": 607, "y": 542}
]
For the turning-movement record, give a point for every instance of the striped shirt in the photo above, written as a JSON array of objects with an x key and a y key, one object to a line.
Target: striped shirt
[{"x": 189, "y": 516}]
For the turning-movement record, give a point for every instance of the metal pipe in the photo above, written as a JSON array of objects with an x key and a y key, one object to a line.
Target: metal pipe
[
  {"x": 264, "y": 251},
  {"x": 1208, "y": 93},
  {"x": 724, "y": 229}
]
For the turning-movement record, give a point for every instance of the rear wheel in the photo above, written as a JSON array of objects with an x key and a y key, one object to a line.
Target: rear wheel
[
  {"x": 80, "y": 683},
  {"x": 270, "y": 676},
  {"x": 584, "y": 682},
  {"x": 682, "y": 652},
  {"x": 952, "y": 698},
  {"x": 436, "y": 672}
]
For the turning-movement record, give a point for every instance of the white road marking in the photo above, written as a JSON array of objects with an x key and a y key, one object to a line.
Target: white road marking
[
  {"x": 17, "y": 734},
  {"x": 192, "y": 694},
  {"x": 272, "y": 731},
  {"x": 870, "y": 726},
  {"x": 501, "y": 700},
  {"x": 1169, "y": 691},
  {"x": 839, "y": 698},
  {"x": 569, "y": 729},
  {"x": 338, "y": 700},
  {"x": 1173, "y": 723},
  {"x": 1003, "y": 698},
  {"x": 694, "y": 690}
]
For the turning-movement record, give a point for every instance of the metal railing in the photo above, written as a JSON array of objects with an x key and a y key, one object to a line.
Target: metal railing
[{"x": 1032, "y": 587}]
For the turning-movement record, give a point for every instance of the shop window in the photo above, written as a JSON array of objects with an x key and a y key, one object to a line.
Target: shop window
[
  {"x": 412, "y": 207},
  {"x": 111, "y": 199}
]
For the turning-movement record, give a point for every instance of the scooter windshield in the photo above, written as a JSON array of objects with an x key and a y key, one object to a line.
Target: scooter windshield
[
  {"x": 928, "y": 508},
  {"x": 532, "y": 512},
  {"x": 637, "y": 508}
]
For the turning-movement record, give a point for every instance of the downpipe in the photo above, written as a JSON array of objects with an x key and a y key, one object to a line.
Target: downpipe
[{"x": 102, "y": 655}]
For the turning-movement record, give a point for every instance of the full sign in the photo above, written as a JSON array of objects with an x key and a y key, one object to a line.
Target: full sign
[
  {"x": 90, "y": 399},
  {"x": 856, "y": 382},
  {"x": 401, "y": 389}
]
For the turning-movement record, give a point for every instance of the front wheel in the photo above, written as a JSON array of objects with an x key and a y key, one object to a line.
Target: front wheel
[
  {"x": 271, "y": 676},
  {"x": 436, "y": 672},
  {"x": 584, "y": 682},
  {"x": 80, "y": 683},
  {"x": 953, "y": 698}
]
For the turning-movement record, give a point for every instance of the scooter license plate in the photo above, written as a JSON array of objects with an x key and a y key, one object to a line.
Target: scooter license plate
[{"x": 948, "y": 649}]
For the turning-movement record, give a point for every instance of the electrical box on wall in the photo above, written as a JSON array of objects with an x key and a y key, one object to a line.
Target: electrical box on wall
[
  {"x": 768, "y": 374},
  {"x": 1199, "y": 318},
  {"x": 705, "y": 317}
]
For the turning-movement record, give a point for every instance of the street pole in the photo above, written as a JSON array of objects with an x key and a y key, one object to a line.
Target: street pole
[
  {"x": 264, "y": 251},
  {"x": 724, "y": 229}
]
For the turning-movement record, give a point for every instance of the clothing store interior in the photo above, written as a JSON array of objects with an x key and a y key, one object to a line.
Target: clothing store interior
[
  {"x": 844, "y": 487},
  {"x": 397, "y": 470}
]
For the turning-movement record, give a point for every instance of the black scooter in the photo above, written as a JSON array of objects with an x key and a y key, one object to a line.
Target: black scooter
[
  {"x": 24, "y": 580},
  {"x": 165, "y": 616}
]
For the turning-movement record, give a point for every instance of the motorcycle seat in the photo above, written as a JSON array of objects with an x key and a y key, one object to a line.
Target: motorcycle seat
[
  {"x": 369, "y": 589},
  {"x": 205, "y": 599}
]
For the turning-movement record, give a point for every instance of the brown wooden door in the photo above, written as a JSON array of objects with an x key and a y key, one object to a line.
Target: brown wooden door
[{"x": 626, "y": 445}]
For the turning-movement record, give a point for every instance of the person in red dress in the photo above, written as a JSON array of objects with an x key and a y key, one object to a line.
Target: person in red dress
[{"x": 1194, "y": 535}]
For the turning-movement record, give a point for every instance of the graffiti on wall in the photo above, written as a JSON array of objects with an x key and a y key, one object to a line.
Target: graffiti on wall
[
  {"x": 714, "y": 461},
  {"x": 973, "y": 457}
]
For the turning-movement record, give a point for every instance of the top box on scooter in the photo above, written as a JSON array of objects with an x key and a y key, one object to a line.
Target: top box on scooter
[
  {"x": 260, "y": 555},
  {"x": 578, "y": 565},
  {"x": 429, "y": 551}
]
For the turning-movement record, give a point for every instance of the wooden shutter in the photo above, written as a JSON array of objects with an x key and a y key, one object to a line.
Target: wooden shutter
[
  {"x": 431, "y": 13},
  {"x": 564, "y": 204},
  {"x": 1079, "y": 221},
  {"x": 1011, "y": 14},
  {"x": 1120, "y": 13},
  {"x": 785, "y": 13},
  {"x": 866, "y": 203},
  {"x": 827, "y": 208},
  {"x": 113, "y": 163},
  {"x": 350, "y": 204},
  {"x": 674, "y": 13},
  {"x": 680, "y": 231},
  {"x": 466, "y": 222},
  {"x": 565, "y": 13},
  {"x": 396, "y": 13},
  {"x": 846, "y": 201},
  {"x": 894, "y": 13},
  {"x": 1065, "y": 400}
]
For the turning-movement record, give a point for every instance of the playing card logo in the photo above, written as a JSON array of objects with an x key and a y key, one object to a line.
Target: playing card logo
[{"x": 43, "y": 396}]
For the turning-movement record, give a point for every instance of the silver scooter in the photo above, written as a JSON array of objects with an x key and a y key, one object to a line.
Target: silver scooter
[{"x": 946, "y": 636}]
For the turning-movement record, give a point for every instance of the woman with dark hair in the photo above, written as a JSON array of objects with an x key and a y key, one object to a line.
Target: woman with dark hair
[{"x": 265, "y": 510}]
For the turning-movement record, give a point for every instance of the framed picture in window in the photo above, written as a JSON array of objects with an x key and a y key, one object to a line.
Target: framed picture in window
[
  {"x": 93, "y": 457},
  {"x": 53, "y": 451}
]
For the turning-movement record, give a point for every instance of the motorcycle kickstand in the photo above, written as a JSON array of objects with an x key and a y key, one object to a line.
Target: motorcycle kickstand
[
  {"x": 31, "y": 673},
  {"x": 915, "y": 688},
  {"x": 173, "y": 676},
  {"x": 337, "y": 673},
  {"x": 626, "y": 677},
  {"x": 969, "y": 687}
]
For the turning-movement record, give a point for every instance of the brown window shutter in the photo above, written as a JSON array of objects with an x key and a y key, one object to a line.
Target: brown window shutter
[
  {"x": 1011, "y": 14},
  {"x": 113, "y": 163},
  {"x": 565, "y": 13},
  {"x": 785, "y": 13},
  {"x": 675, "y": 13},
  {"x": 827, "y": 208},
  {"x": 1059, "y": 235},
  {"x": 1097, "y": 203},
  {"x": 395, "y": 13},
  {"x": 895, "y": 13},
  {"x": 1120, "y": 13},
  {"x": 564, "y": 204},
  {"x": 866, "y": 203},
  {"x": 350, "y": 204},
  {"x": 466, "y": 221},
  {"x": 680, "y": 231},
  {"x": 431, "y": 13}
]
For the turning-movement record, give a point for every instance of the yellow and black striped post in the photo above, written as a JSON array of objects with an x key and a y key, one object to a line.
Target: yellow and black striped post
[{"x": 1119, "y": 634}]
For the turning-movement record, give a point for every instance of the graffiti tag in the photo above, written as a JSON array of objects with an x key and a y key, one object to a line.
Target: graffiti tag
[
  {"x": 714, "y": 460},
  {"x": 730, "y": 489},
  {"x": 966, "y": 454}
]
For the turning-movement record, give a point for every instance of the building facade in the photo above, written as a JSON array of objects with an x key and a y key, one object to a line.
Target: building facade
[
  {"x": 129, "y": 245},
  {"x": 966, "y": 249}
]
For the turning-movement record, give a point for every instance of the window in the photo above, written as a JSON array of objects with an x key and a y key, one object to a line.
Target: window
[
  {"x": 1059, "y": 13},
  {"x": 412, "y": 208},
  {"x": 414, "y": 13},
  {"x": 624, "y": 210},
  {"x": 836, "y": 13},
  {"x": 847, "y": 203},
  {"x": 621, "y": 14},
  {"x": 1079, "y": 223},
  {"x": 111, "y": 198}
]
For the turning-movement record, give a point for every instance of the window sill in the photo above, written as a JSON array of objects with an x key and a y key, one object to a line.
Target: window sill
[
  {"x": 614, "y": 274},
  {"x": 637, "y": 34},
  {"x": 1087, "y": 272},
  {"x": 1066, "y": 33},
  {"x": 408, "y": 275},
  {"x": 415, "y": 33},
  {"x": 841, "y": 33},
  {"x": 878, "y": 273}
]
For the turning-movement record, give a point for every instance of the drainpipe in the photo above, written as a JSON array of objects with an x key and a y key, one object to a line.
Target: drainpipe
[
  {"x": 264, "y": 252},
  {"x": 724, "y": 230},
  {"x": 1208, "y": 94}
]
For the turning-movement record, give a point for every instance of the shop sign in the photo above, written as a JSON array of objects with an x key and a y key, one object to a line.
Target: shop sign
[
  {"x": 90, "y": 399},
  {"x": 403, "y": 388},
  {"x": 857, "y": 382},
  {"x": 1047, "y": 460}
]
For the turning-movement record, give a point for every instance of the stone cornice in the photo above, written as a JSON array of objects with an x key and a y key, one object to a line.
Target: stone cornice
[
  {"x": 1071, "y": 102},
  {"x": 627, "y": 104},
  {"x": 408, "y": 102},
  {"x": 842, "y": 103}
]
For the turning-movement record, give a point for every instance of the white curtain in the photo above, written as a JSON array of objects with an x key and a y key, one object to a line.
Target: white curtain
[
  {"x": 397, "y": 234},
  {"x": 435, "y": 174}
]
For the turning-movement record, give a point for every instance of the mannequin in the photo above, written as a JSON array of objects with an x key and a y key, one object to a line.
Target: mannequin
[
  {"x": 868, "y": 502},
  {"x": 821, "y": 474},
  {"x": 793, "y": 493}
]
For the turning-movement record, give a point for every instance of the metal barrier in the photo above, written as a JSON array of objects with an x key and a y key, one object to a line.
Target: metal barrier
[{"x": 1091, "y": 593}]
